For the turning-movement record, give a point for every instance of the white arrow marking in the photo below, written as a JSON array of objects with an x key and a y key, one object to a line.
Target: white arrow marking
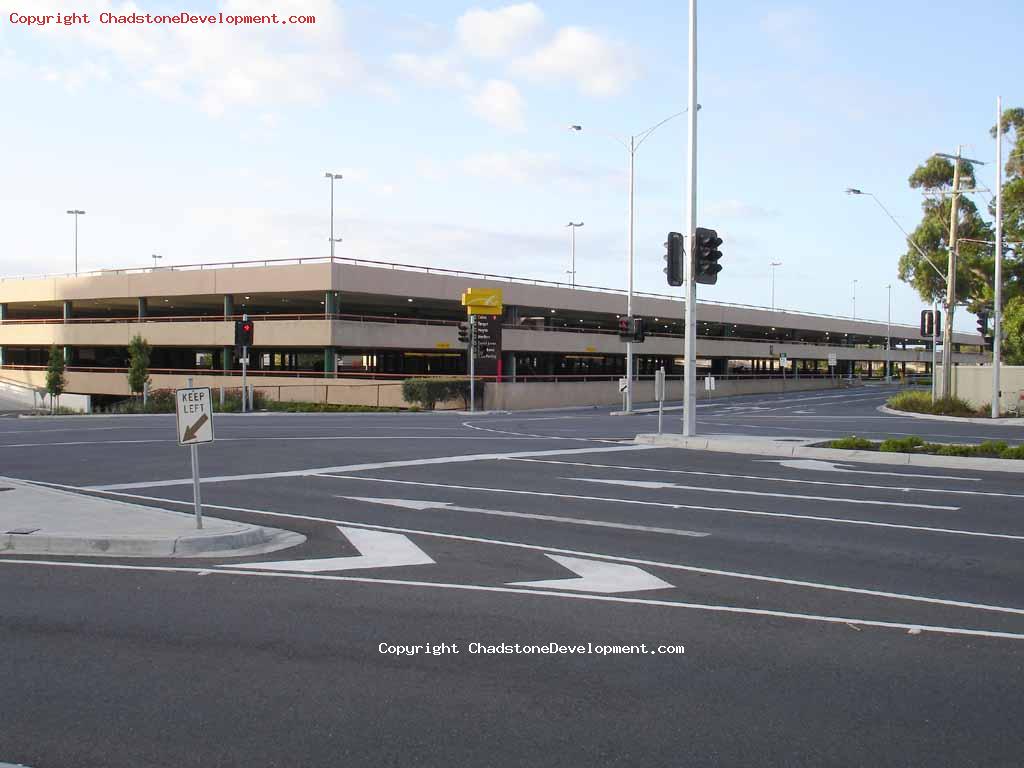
[
  {"x": 597, "y": 576},
  {"x": 831, "y": 466},
  {"x": 377, "y": 549},
  {"x": 421, "y": 505},
  {"x": 663, "y": 486}
]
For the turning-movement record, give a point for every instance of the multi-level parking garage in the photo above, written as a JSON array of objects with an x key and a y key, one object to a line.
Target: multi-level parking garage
[{"x": 347, "y": 321}]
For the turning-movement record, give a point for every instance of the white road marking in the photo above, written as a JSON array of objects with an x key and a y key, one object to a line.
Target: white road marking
[
  {"x": 365, "y": 467},
  {"x": 768, "y": 478},
  {"x": 282, "y": 439},
  {"x": 668, "y": 505},
  {"x": 577, "y": 553},
  {"x": 377, "y": 549},
  {"x": 598, "y": 576},
  {"x": 422, "y": 505},
  {"x": 655, "y": 486},
  {"x": 831, "y": 466},
  {"x": 960, "y": 631}
]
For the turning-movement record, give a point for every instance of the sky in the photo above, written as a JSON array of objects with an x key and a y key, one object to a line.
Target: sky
[{"x": 448, "y": 121}]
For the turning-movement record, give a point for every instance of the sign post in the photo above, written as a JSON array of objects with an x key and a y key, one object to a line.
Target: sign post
[
  {"x": 472, "y": 363},
  {"x": 194, "y": 410},
  {"x": 623, "y": 386},
  {"x": 832, "y": 360},
  {"x": 484, "y": 333},
  {"x": 659, "y": 392}
]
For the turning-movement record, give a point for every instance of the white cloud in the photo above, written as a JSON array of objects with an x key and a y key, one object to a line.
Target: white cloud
[
  {"x": 500, "y": 104},
  {"x": 598, "y": 66},
  {"x": 215, "y": 66},
  {"x": 437, "y": 70},
  {"x": 500, "y": 33}
]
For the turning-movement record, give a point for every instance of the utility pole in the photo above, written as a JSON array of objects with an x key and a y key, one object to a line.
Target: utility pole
[
  {"x": 629, "y": 261},
  {"x": 76, "y": 213},
  {"x": 771, "y": 268},
  {"x": 333, "y": 177},
  {"x": 572, "y": 250},
  {"x": 888, "y": 339},
  {"x": 947, "y": 328},
  {"x": 997, "y": 330},
  {"x": 690, "y": 340}
]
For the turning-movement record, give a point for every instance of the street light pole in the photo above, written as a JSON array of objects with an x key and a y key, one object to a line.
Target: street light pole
[
  {"x": 888, "y": 339},
  {"x": 632, "y": 145},
  {"x": 771, "y": 268},
  {"x": 333, "y": 177},
  {"x": 997, "y": 310},
  {"x": 855, "y": 299},
  {"x": 690, "y": 339},
  {"x": 76, "y": 213},
  {"x": 572, "y": 250}
]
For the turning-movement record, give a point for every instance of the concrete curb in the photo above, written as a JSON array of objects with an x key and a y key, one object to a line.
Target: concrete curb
[
  {"x": 1000, "y": 422},
  {"x": 802, "y": 450},
  {"x": 249, "y": 540}
]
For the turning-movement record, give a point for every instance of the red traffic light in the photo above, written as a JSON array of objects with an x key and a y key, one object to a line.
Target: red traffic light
[{"x": 247, "y": 327}]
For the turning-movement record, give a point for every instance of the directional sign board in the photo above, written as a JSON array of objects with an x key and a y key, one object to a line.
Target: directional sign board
[
  {"x": 832, "y": 359},
  {"x": 195, "y": 415},
  {"x": 623, "y": 384},
  {"x": 783, "y": 361}
]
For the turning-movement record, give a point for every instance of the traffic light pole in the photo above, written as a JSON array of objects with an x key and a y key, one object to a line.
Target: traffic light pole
[
  {"x": 690, "y": 340},
  {"x": 947, "y": 330},
  {"x": 629, "y": 261},
  {"x": 245, "y": 367},
  {"x": 472, "y": 363}
]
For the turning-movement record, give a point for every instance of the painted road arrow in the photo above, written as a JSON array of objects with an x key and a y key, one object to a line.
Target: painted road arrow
[
  {"x": 831, "y": 466},
  {"x": 377, "y": 549},
  {"x": 653, "y": 485},
  {"x": 421, "y": 505},
  {"x": 598, "y": 576},
  {"x": 191, "y": 432}
]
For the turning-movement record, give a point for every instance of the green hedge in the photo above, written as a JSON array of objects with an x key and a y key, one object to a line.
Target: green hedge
[
  {"x": 429, "y": 392},
  {"x": 990, "y": 449},
  {"x": 916, "y": 401}
]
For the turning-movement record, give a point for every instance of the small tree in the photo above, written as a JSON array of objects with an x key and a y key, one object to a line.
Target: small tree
[
  {"x": 55, "y": 381},
  {"x": 138, "y": 364}
]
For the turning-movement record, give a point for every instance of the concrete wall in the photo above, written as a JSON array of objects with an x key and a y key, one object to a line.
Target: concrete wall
[
  {"x": 17, "y": 396},
  {"x": 511, "y": 397},
  {"x": 974, "y": 384}
]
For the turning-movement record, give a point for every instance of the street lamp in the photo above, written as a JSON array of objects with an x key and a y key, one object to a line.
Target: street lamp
[
  {"x": 772, "y": 267},
  {"x": 945, "y": 353},
  {"x": 855, "y": 299},
  {"x": 333, "y": 178},
  {"x": 155, "y": 257},
  {"x": 572, "y": 250},
  {"x": 632, "y": 144},
  {"x": 76, "y": 213},
  {"x": 888, "y": 339}
]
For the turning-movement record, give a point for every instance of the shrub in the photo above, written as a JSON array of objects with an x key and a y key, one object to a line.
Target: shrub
[
  {"x": 853, "y": 443},
  {"x": 992, "y": 448},
  {"x": 901, "y": 444},
  {"x": 1013, "y": 453},
  {"x": 917, "y": 401},
  {"x": 429, "y": 392},
  {"x": 299, "y": 407}
]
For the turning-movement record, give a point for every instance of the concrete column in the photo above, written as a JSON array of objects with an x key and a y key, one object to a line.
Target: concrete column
[
  {"x": 143, "y": 306},
  {"x": 331, "y": 303},
  {"x": 3, "y": 312},
  {"x": 68, "y": 311},
  {"x": 229, "y": 305},
  {"x": 903, "y": 367},
  {"x": 719, "y": 366},
  {"x": 330, "y": 362},
  {"x": 870, "y": 368},
  {"x": 226, "y": 354},
  {"x": 1, "y": 357}
]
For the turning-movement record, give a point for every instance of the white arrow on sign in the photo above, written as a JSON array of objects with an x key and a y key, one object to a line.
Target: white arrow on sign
[
  {"x": 377, "y": 549},
  {"x": 711, "y": 489},
  {"x": 415, "y": 504},
  {"x": 598, "y": 576}
]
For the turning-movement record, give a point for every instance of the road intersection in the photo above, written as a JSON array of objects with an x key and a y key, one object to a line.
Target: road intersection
[{"x": 824, "y": 607}]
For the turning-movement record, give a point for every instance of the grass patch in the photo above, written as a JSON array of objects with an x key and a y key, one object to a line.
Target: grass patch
[
  {"x": 916, "y": 401},
  {"x": 990, "y": 449}
]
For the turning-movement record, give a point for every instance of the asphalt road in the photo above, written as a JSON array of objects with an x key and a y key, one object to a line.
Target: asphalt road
[{"x": 828, "y": 615}]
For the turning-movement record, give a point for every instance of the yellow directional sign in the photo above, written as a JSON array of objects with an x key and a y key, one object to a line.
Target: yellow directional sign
[
  {"x": 443, "y": 345},
  {"x": 483, "y": 301}
]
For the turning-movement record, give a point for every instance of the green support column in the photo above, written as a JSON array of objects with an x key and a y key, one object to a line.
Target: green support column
[
  {"x": 226, "y": 354},
  {"x": 229, "y": 306},
  {"x": 330, "y": 362},
  {"x": 68, "y": 311},
  {"x": 143, "y": 307},
  {"x": 331, "y": 303}
]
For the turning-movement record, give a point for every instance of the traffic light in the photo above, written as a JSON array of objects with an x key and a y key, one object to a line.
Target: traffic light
[
  {"x": 243, "y": 333},
  {"x": 674, "y": 259},
  {"x": 983, "y": 323},
  {"x": 464, "y": 333},
  {"x": 706, "y": 256},
  {"x": 927, "y": 323},
  {"x": 625, "y": 329},
  {"x": 638, "y": 329}
]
